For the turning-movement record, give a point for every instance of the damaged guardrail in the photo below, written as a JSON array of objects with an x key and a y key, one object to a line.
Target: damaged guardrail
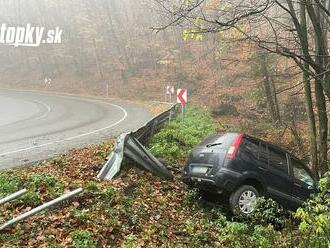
[
  {"x": 144, "y": 133},
  {"x": 127, "y": 145},
  {"x": 131, "y": 145}
]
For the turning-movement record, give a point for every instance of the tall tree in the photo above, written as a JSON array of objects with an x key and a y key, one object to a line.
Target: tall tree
[{"x": 297, "y": 30}]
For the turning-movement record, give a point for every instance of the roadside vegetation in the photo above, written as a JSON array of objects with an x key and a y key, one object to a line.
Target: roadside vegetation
[
  {"x": 138, "y": 210},
  {"x": 179, "y": 137}
]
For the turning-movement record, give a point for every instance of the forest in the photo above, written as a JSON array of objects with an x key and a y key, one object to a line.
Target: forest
[{"x": 294, "y": 30}]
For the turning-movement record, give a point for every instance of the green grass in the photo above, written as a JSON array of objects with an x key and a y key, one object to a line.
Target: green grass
[
  {"x": 9, "y": 183},
  {"x": 83, "y": 239},
  {"x": 178, "y": 138}
]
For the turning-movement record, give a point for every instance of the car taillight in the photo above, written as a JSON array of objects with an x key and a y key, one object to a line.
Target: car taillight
[{"x": 234, "y": 146}]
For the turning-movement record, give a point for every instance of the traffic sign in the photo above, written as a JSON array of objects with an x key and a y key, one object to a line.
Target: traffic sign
[
  {"x": 170, "y": 90},
  {"x": 182, "y": 96}
]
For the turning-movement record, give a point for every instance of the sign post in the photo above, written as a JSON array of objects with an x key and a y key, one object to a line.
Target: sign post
[
  {"x": 169, "y": 92},
  {"x": 182, "y": 97},
  {"x": 108, "y": 89}
]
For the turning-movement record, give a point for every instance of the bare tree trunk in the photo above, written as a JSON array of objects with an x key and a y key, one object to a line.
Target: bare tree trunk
[
  {"x": 321, "y": 59},
  {"x": 277, "y": 106},
  {"x": 317, "y": 20},
  {"x": 312, "y": 134},
  {"x": 323, "y": 126},
  {"x": 269, "y": 89}
]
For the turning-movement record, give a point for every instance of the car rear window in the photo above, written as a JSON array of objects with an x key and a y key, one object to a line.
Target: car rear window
[
  {"x": 251, "y": 147},
  {"x": 223, "y": 141},
  {"x": 205, "y": 158}
]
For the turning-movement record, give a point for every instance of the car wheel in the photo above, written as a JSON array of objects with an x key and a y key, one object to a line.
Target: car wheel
[{"x": 242, "y": 201}]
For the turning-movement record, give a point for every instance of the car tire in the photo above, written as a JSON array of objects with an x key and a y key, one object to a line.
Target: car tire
[{"x": 241, "y": 201}]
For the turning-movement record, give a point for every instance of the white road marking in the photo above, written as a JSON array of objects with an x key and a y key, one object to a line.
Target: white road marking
[
  {"x": 74, "y": 137},
  {"x": 45, "y": 114}
]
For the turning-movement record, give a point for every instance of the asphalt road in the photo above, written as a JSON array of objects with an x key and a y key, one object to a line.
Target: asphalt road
[{"x": 36, "y": 126}]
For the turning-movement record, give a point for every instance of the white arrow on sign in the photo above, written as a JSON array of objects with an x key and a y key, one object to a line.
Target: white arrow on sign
[
  {"x": 182, "y": 96},
  {"x": 170, "y": 90}
]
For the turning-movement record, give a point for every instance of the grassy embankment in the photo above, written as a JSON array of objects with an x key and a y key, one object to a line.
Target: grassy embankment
[{"x": 136, "y": 209}]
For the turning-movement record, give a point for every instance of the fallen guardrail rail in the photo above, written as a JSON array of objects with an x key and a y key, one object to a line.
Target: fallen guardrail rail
[
  {"x": 36, "y": 210},
  {"x": 132, "y": 145},
  {"x": 12, "y": 196}
]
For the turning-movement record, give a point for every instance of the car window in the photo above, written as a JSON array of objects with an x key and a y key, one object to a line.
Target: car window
[
  {"x": 278, "y": 160},
  {"x": 263, "y": 153},
  {"x": 300, "y": 173},
  {"x": 223, "y": 141},
  {"x": 251, "y": 147}
]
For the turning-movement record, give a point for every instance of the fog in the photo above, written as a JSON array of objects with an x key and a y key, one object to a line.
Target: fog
[
  {"x": 102, "y": 45},
  {"x": 111, "y": 48}
]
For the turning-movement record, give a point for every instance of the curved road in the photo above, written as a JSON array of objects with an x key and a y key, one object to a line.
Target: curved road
[{"x": 35, "y": 126}]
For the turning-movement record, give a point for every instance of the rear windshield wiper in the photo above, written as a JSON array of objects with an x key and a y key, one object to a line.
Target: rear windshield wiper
[{"x": 214, "y": 144}]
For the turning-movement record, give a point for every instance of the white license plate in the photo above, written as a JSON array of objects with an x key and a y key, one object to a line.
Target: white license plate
[{"x": 199, "y": 170}]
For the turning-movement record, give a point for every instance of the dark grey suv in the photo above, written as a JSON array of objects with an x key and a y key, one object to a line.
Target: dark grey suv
[{"x": 243, "y": 168}]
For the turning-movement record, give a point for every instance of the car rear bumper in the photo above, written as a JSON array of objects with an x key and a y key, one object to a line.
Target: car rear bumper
[{"x": 224, "y": 180}]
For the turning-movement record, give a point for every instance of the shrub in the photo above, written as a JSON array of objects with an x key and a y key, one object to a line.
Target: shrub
[
  {"x": 235, "y": 234},
  {"x": 263, "y": 237},
  {"x": 268, "y": 212},
  {"x": 315, "y": 217}
]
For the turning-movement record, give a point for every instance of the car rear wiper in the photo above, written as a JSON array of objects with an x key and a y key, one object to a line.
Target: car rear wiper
[{"x": 214, "y": 144}]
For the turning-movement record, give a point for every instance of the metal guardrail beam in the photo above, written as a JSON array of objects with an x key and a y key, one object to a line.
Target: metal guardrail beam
[
  {"x": 152, "y": 126},
  {"x": 130, "y": 147},
  {"x": 139, "y": 154},
  {"x": 41, "y": 208},
  {"x": 114, "y": 160},
  {"x": 132, "y": 144},
  {"x": 12, "y": 196}
]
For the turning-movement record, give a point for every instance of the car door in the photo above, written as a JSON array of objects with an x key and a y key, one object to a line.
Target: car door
[
  {"x": 303, "y": 182},
  {"x": 278, "y": 177}
]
